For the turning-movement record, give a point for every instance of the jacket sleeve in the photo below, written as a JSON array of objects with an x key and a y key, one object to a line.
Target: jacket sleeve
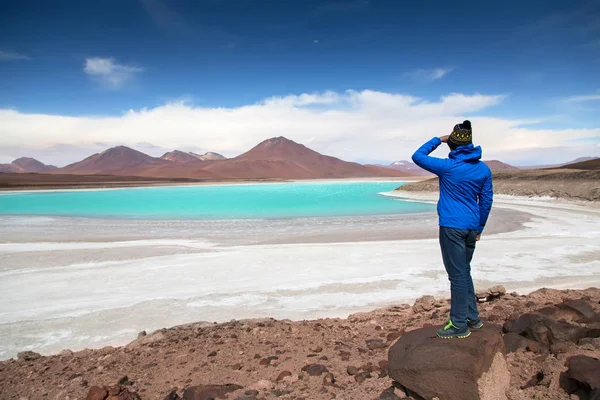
[
  {"x": 486, "y": 198},
  {"x": 434, "y": 165}
]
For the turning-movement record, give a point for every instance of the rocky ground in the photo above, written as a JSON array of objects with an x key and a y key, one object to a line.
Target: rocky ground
[
  {"x": 319, "y": 359},
  {"x": 564, "y": 184}
]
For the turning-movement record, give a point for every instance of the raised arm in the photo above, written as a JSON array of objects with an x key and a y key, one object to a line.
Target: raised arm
[
  {"x": 486, "y": 198},
  {"x": 422, "y": 158}
]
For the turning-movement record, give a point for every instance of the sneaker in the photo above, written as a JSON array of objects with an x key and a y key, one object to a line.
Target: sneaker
[
  {"x": 453, "y": 332},
  {"x": 477, "y": 324}
]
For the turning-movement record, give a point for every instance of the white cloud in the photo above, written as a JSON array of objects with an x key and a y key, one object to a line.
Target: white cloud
[
  {"x": 578, "y": 99},
  {"x": 350, "y": 125},
  {"x": 110, "y": 74},
  {"x": 428, "y": 75},
  {"x": 11, "y": 56}
]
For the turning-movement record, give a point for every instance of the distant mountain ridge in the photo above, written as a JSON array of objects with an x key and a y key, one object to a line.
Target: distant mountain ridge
[
  {"x": 275, "y": 158},
  {"x": 411, "y": 168},
  {"x": 181, "y": 156},
  {"x": 592, "y": 164},
  {"x": 111, "y": 161},
  {"x": 26, "y": 164}
]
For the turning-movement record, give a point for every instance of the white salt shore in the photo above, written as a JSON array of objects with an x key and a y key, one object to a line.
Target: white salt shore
[{"x": 104, "y": 281}]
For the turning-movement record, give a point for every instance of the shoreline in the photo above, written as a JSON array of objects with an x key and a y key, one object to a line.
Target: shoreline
[{"x": 153, "y": 183}]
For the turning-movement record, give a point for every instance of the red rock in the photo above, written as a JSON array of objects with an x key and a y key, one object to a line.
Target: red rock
[
  {"x": 209, "y": 392},
  {"x": 97, "y": 393},
  {"x": 582, "y": 377},
  {"x": 315, "y": 369},
  {"x": 393, "y": 336},
  {"x": 283, "y": 375},
  {"x": 424, "y": 303},
  {"x": 375, "y": 344},
  {"x": 449, "y": 369},
  {"x": 352, "y": 370},
  {"x": 362, "y": 376},
  {"x": 328, "y": 379},
  {"x": 28, "y": 356}
]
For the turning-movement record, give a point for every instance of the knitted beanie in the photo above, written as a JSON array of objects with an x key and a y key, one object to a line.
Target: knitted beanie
[{"x": 462, "y": 134}]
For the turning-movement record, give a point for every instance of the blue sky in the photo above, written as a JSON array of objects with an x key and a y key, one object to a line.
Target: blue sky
[{"x": 98, "y": 60}]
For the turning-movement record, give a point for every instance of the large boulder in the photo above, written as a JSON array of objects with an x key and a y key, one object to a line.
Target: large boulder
[
  {"x": 582, "y": 377},
  {"x": 545, "y": 330},
  {"x": 572, "y": 311},
  {"x": 468, "y": 369}
]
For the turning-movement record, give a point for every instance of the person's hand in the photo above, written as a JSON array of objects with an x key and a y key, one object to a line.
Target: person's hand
[
  {"x": 478, "y": 237},
  {"x": 444, "y": 139}
]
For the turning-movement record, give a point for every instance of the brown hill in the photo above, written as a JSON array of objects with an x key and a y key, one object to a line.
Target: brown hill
[
  {"x": 26, "y": 164},
  {"x": 114, "y": 161},
  {"x": 589, "y": 165},
  {"x": 496, "y": 165},
  {"x": 283, "y": 158},
  {"x": 548, "y": 166},
  {"x": 32, "y": 165},
  {"x": 179, "y": 156}
]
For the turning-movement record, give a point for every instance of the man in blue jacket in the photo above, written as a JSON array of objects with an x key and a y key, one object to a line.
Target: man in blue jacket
[{"x": 466, "y": 196}]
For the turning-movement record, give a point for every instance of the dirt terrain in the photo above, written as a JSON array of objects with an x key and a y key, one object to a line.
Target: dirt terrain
[
  {"x": 564, "y": 183},
  {"x": 269, "y": 359}
]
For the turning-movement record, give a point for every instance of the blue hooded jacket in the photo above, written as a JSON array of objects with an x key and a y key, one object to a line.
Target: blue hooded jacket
[{"x": 466, "y": 192}]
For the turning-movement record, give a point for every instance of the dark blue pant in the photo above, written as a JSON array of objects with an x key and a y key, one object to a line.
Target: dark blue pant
[{"x": 458, "y": 246}]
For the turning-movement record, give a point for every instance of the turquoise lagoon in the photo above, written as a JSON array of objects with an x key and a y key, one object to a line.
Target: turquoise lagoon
[{"x": 243, "y": 201}]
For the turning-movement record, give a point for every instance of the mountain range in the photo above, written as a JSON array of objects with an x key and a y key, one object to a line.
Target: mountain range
[{"x": 275, "y": 158}]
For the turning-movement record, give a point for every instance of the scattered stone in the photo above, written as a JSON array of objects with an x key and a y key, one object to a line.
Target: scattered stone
[
  {"x": 544, "y": 329},
  {"x": 28, "y": 356},
  {"x": 490, "y": 294},
  {"x": 208, "y": 392},
  {"x": 283, "y": 375},
  {"x": 97, "y": 393},
  {"x": 345, "y": 355},
  {"x": 513, "y": 342},
  {"x": 212, "y": 354},
  {"x": 142, "y": 334},
  {"x": 362, "y": 376},
  {"x": 315, "y": 369},
  {"x": 317, "y": 349},
  {"x": 383, "y": 368},
  {"x": 374, "y": 344},
  {"x": 582, "y": 377},
  {"x": 534, "y": 381},
  {"x": 237, "y": 367},
  {"x": 393, "y": 336},
  {"x": 172, "y": 395},
  {"x": 328, "y": 379},
  {"x": 267, "y": 361},
  {"x": 125, "y": 381},
  {"x": 352, "y": 370},
  {"x": 389, "y": 394},
  {"x": 424, "y": 303},
  {"x": 427, "y": 365}
]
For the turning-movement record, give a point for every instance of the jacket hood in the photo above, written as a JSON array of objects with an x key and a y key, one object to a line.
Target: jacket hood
[{"x": 466, "y": 153}]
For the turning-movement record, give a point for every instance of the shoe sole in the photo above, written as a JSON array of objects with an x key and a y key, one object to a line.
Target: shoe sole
[{"x": 466, "y": 335}]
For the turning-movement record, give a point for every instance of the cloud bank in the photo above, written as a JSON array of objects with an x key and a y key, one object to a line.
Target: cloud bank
[
  {"x": 352, "y": 125},
  {"x": 108, "y": 73}
]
